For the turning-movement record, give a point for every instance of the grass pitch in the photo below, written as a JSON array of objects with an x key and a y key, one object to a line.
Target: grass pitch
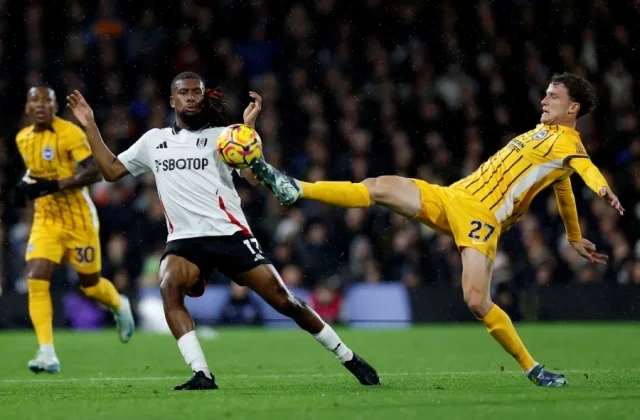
[{"x": 448, "y": 372}]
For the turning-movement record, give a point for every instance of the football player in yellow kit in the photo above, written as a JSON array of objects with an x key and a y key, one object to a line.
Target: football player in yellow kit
[
  {"x": 65, "y": 225},
  {"x": 477, "y": 209}
]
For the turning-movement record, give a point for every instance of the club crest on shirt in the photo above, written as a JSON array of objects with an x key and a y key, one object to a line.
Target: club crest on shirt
[
  {"x": 201, "y": 142},
  {"x": 47, "y": 153},
  {"x": 540, "y": 135}
]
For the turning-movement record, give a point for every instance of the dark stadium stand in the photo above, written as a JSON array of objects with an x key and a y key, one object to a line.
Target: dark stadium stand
[{"x": 351, "y": 89}]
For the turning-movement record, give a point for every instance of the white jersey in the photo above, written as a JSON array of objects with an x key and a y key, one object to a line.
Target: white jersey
[{"x": 195, "y": 188}]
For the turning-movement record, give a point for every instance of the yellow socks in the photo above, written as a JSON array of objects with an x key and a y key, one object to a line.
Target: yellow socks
[
  {"x": 500, "y": 327},
  {"x": 41, "y": 310},
  {"x": 105, "y": 293},
  {"x": 341, "y": 194}
]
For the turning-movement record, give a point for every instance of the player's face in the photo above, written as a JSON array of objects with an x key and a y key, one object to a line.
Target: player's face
[
  {"x": 557, "y": 105},
  {"x": 187, "y": 97},
  {"x": 41, "y": 105}
]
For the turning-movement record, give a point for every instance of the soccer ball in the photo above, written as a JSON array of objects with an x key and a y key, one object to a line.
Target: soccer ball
[{"x": 238, "y": 145}]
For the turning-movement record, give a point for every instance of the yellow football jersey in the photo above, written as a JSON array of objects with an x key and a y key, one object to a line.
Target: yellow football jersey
[
  {"x": 510, "y": 179},
  {"x": 53, "y": 154}
]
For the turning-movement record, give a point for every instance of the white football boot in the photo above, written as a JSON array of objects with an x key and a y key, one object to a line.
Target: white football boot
[
  {"x": 124, "y": 320},
  {"x": 44, "y": 363}
]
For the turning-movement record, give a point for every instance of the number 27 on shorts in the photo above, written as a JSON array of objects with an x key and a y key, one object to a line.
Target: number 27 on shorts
[{"x": 476, "y": 226}]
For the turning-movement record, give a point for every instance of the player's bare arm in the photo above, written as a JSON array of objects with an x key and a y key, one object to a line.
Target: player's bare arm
[
  {"x": 250, "y": 116},
  {"x": 110, "y": 167},
  {"x": 88, "y": 173}
]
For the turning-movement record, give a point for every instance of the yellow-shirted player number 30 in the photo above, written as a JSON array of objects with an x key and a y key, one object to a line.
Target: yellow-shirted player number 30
[{"x": 85, "y": 254}]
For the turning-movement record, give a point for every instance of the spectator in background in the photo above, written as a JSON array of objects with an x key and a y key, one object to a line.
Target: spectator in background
[
  {"x": 241, "y": 309},
  {"x": 2, "y": 268},
  {"x": 145, "y": 40},
  {"x": 415, "y": 88},
  {"x": 292, "y": 275},
  {"x": 257, "y": 52},
  {"x": 327, "y": 302},
  {"x": 508, "y": 301},
  {"x": 107, "y": 23}
]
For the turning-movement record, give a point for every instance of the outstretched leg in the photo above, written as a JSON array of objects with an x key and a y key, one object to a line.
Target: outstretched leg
[
  {"x": 177, "y": 276},
  {"x": 399, "y": 194},
  {"x": 266, "y": 282},
  {"x": 476, "y": 282}
]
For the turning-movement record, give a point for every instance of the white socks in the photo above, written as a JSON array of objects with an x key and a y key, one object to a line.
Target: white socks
[
  {"x": 192, "y": 353},
  {"x": 48, "y": 350},
  {"x": 330, "y": 340}
]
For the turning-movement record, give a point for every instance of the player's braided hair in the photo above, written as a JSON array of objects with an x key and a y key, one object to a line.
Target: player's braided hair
[
  {"x": 214, "y": 108},
  {"x": 579, "y": 89}
]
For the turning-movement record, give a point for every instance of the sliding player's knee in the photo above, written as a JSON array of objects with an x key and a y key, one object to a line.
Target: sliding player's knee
[
  {"x": 478, "y": 301},
  {"x": 382, "y": 189}
]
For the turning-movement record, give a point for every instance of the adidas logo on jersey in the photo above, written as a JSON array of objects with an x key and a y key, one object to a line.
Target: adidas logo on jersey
[{"x": 162, "y": 145}]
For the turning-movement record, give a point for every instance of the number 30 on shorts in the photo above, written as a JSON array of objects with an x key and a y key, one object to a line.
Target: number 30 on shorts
[
  {"x": 476, "y": 225},
  {"x": 85, "y": 254}
]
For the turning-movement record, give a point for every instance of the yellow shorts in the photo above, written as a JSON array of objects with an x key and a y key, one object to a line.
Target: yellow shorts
[
  {"x": 80, "y": 247},
  {"x": 459, "y": 214}
]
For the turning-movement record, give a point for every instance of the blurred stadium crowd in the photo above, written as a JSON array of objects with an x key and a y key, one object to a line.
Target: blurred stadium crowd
[{"x": 351, "y": 89}]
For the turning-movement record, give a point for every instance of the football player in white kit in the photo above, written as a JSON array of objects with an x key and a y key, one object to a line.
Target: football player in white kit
[{"x": 207, "y": 228}]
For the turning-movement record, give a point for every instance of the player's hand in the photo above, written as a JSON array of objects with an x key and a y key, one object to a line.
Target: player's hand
[
  {"x": 252, "y": 111},
  {"x": 40, "y": 188},
  {"x": 607, "y": 194},
  {"x": 587, "y": 249},
  {"x": 80, "y": 108}
]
